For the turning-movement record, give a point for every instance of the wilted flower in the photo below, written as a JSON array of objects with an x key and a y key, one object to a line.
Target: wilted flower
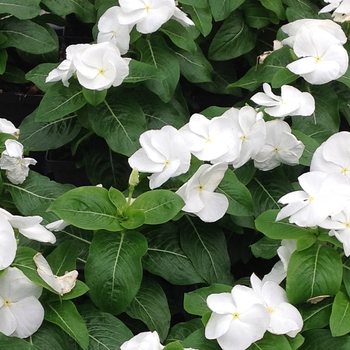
[
  {"x": 281, "y": 146},
  {"x": 323, "y": 195},
  {"x": 238, "y": 318},
  {"x": 164, "y": 153},
  {"x": 21, "y": 314},
  {"x": 61, "y": 284},
  {"x": 291, "y": 102},
  {"x": 284, "y": 317},
  {"x": 199, "y": 196},
  {"x": 109, "y": 29},
  {"x": 12, "y": 160}
]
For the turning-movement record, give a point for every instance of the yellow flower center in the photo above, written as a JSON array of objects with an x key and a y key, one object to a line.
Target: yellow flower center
[
  {"x": 276, "y": 149},
  {"x": 101, "y": 71},
  {"x": 7, "y": 302},
  {"x": 235, "y": 315},
  {"x": 318, "y": 59},
  {"x": 344, "y": 171},
  {"x": 310, "y": 199},
  {"x": 147, "y": 8},
  {"x": 208, "y": 140},
  {"x": 244, "y": 137},
  {"x": 167, "y": 163},
  {"x": 347, "y": 224}
]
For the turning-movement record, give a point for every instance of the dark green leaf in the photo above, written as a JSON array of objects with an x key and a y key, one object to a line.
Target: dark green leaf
[
  {"x": 94, "y": 97},
  {"x": 316, "y": 315},
  {"x": 197, "y": 340},
  {"x": 3, "y": 60},
  {"x": 201, "y": 16},
  {"x": 340, "y": 317},
  {"x": 15, "y": 343},
  {"x": 38, "y": 75},
  {"x": 275, "y": 6},
  {"x": 222, "y": 8},
  {"x": 18, "y": 8},
  {"x": 271, "y": 342},
  {"x": 140, "y": 71},
  {"x": 183, "y": 329},
  {"x": 265, "y": 248},
  {"x": 322, "y": 339}
]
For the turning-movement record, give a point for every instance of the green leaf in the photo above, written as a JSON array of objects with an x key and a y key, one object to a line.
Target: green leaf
[
  {"x": 155, "y": 52},
  {"x": 257, "y": 16},
  {"x": 49, "y": 337},
  {"x": 15, "y": 343},
  {"x": 313, "y": 272},
  {"x": 119, "y": 120},
  {"x": 197, "y": 340},
  {"x": 94, "y": 97},
  {"x": 220, "y": 9},
  {"x": 132, "y": 218},
  {"x": 179, "y": 35},
  {"x": 346, "y": 275},
  {"x": 195, "y": 303},
  {"x": 87, "y": 208},
  {"x": 83, "y": 9},
  {"x": 271, "y": 342},
  {"x": 59, "y": 101},
  {"x": 205, "y": 245},
  {"x": 265, "y": 248},
  {"x": 299, "y": 9},
  {"x": 27, "y": 36},
  {"x": 201, "y": 16},
  {"x": 326, "y": 119},
  {"x": 65, "y": 315},
  {"x": 113, "y": 270},
  {"x": 17, "y": 8},
  {"x": 340, "y": 317},
  {"x": 283, "y": 77},
  {"x": 174, "y": 346},
  {"x": 319, "y": 339},
  {"x": 233, "y": 39},
  {"x": 195, "y": 3},
  {"x": 239, "y": 197},
  {"x": 310, "y": 147},
  {"x": 166, "y": 258},
  {"x": 183, "y": 329},
  {"x": 159, "y": 206},
  {"x": 3, "y": 60},
  {"x": 275, "y": 6},
  {"x": 36, "y": 191},
  {"x": 316, "y": 315},
  {"x": 267, "y": 224},
  {"x": 150, "y": 305},
  {"x": 36, "y": 136},
  {"x": 105, "y": 330},
  {"x": 140, "y": 71},
  {"x": 194, "y": 66},
  {"x": 38, "y": 75}
]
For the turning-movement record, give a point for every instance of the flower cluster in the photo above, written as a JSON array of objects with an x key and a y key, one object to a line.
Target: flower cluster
[
  {"x": 233, "y": 138},
  {"x": 340, "y": 8},
  {"x": 325, "y": 196},
  {"x": 243, "y": 316},
  {"x": 319, "y": 46},
  {"x": 145, "y": 340}
]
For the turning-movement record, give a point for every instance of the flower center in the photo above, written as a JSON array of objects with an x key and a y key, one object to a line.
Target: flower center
[
  {"x": 318, "y": 59},
  {"x": 235, "y": 315},
  {"x": 270, "y": 310},
  {"x": 347, "y": 224},
  {"x": 167, "y": 163},
  {"x": 310, "y": 199},
  {"x": 201, "y": 187},
  {"x": 7, "y": 302},
  {"x": 344, "y": 171},
  {"x": 101, "y": 71},
  {"x": 208, "y": 140},
  {"x": 147, "y": 8},
  {"x": 114, "y": 33},
  {"x": 276, "y": 149},
  {"x": 244, "y": 137}
]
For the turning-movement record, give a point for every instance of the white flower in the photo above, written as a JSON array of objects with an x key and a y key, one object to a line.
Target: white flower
[
  {"x": 100, "y": 66},
  {"x": 8, "y": 245},
  {"x": 250, "y": 128},
  {"x": 332, "y": 4},
  {"x": 339, "y": 226},
  {"x": 333, "y": 156},
  {"x": 150, "y": 15},
  {"x": 291, "y": 102},
  {"x": 322, "y": 58},
  {"x": 21, "y": 314},
  {"x": 199, "y": 196},
  {"x": 281, "y": 146},
  {"x": 66, "y": 68},
  {"x": 111, "y": 30},
  {"x": 57, "y": 226},
  {"x": 17, "y": 167},
  {"x": 61, "y": 284},
  {"x": 309, "y": 24},
  {"x": 284, "y": 317},
  {"x": 323, "y": 195},
  {"x": 342, "y": 12},
  {"x": 279, "y": 270},
  {"x": 7, "y": 127},
  {"x": 211, "y": 139},
  {"x": 164, "y": 153},
  {"x": 143, "y": 341},
  {"x": 238, "y": 318}
]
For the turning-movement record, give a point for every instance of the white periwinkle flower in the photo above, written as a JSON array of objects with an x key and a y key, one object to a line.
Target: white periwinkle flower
[
  {"x": 150, "y": 15},
  {"x": 21, "y": 314},
  {"x": 61, "y": 284},
  {"x": 100, "y": 66},
  {"x": 323, "y": 195},
  {"x": 7, "y": 127},
  {"x": 199, "y": 196},
  {"x": 144, "y": 341},
  {"x": 281, "y": 146},
  {"x": 284, "y": 317},
  {"x": 333, "y": 156},
  {"x": 111, "y": 30},
  {"x": 332, "y": 4},
  {"x": 164, "y": 153},
  {"x": 291, "y": 102},
  {"x": 341, "y": 9},
  {"x": 322, "y": 58},
  {"x": 17, "y": 167},
  {"x": 210, "y": 139},
  {"x": 57, "y": 226},
  {"x": 250, "y": 128},
  {"x": 238, "y": 318},
  {"x": 66, "y": 68}
]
